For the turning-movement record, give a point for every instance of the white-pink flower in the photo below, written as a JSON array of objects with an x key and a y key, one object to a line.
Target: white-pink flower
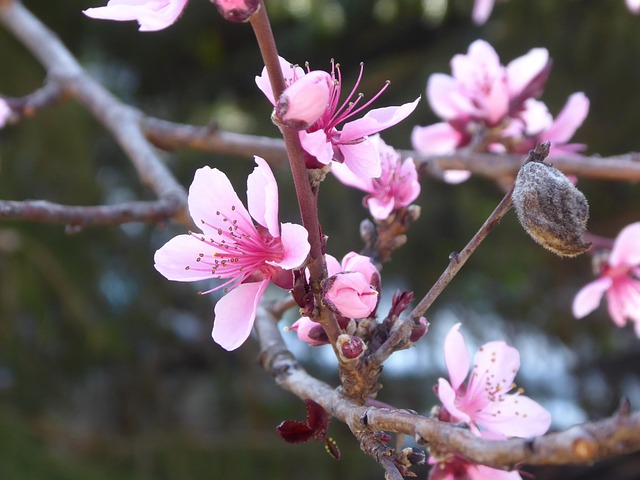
[
  {"x": 324, "y": 141},
  {"x": 353, "y": 285},
  {"x": 618, "y": 280},
  {"x": 396, "y": 187},
  {"x": 485, "y": 402},
  {"x": 5, "y": 112},
  {"x": 633, "y": 6},
  {"x": 482, "y": 11},
  {"x": 231, "y": 247},
  {"x": 151, "y": 15}
]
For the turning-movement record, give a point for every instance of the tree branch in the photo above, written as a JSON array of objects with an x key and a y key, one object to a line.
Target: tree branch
[{"x": 580, "y": 444}]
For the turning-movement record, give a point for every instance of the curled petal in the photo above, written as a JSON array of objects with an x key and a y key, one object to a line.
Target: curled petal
[
  {"x": 456, "y": 357},
  {"x": 305, "y": 100},
  {"x": 524, "y": 70},
  {"x": 295, "y": 246},
  {"x": 447, "y": 396},
  {"x": 351, "y": 294},
  {"x": 318, "y": 145},
  {"x": 626, "y": 248},
  {"x": 262, "y": 197},
  {"x": 590, "y": 296},
  {"x": 290, "y": 72},
  {"x": 235, "y": 314}
]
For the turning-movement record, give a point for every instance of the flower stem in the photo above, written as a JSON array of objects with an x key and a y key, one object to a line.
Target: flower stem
[{"x": 307, "y": 201}]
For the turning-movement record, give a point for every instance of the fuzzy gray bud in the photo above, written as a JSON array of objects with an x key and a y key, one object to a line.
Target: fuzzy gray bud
[{"x": 550, "y": 208}]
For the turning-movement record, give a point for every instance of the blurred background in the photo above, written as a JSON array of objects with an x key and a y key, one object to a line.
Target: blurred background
[{"x": 107, "y": 370}]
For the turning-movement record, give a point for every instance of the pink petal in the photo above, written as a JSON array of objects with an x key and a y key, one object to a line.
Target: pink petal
[
  {"x": 347, "y": 177},
  {"x": 515, "y": 416},
  {"x": 333, "y": 265},
  {"x": 235, "y": 314},
  {"x": 456, "y": 356},
  {"x": 447, "y": 396},
  {"x": 362, "y": 158},
  {"x": 381, "y": 208},
  {"x": 633, "y": 6},
  {"x": 437, "y": 139},
  {"x": 318, "y": 145},
  {"x": 376, "y": 120},
  {"x": 289, "y": 72},
  {"x": 481, "y": 11},
  {"x": 536, "y": 117},
  {"x": 178, "y": 259},
  {"x": 523, "y": 70},
  {"x": 623, "y": 300},
  {"x": 355, "y": 262},
  {"x": 590, "y": 296},
  {"x": 456, "y": 176},
  {"x": 626, "y": 248},
  {"x": 212, "y": 199},
  {"x": 151, "y": 14},
  {"x": 482, "y": 472},
  {"x": 569, "y": 119},
  {"x": 352, "y": 295},
  {"x": 445, "y": 98},
  {"x": 305, "y": 100},
  {"x": 480, "y": 62},
  {"x": 295, "y": 245},
  {"x": 262, "y": 197},
  {"x": 502, "y": 360}
]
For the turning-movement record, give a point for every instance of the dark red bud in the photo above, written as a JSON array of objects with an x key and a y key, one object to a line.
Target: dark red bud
[{"x": 350, "y": 347}]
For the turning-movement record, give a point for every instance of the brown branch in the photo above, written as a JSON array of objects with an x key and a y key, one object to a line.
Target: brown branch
[
  {"x": 122, "y": 121},
  {"x": 580, "y": 444},
  {"x": 77, "y": 217}
]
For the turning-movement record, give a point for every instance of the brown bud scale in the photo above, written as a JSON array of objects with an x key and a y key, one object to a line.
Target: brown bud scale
[{"x": 551, "y": 209}]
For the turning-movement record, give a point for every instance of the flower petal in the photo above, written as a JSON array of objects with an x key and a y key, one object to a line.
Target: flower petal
[
  {"x": 347, "y": 177},
  {"x": 481, "y": 11},
  {"x": 446, "y": 99},
  {"x": 447, "y": 396},
  {"x": 456, "y": 356},
  {"x": 179, "y": 259},
  {"x": 318, "y": 145},
  {"x": 362, "y": 158},
  {"x": 569, "y": 119},
  {"x": 482, "y": 472},
  {"x": 590, "y": 296},
  {"x": 437, "y": 139},
  {"x": 626, "y": 248},
  {"x": 295, "y": 246},
  {"x": 235, "y": 314},
  {"x": 212, "y": 199},
  {"x": 262, "y": 197},
  {"x": 376, "y": 120},
  {"x": 151, "y": 15},
  {"x": 525, "y": 69},
  {"x": 515, "y": 416},
  {"x": 497, "y": 363},
  {"x": 289, "y": 72}
]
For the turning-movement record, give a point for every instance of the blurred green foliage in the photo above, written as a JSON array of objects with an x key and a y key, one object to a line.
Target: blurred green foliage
[{"x": 107, "y": 370}]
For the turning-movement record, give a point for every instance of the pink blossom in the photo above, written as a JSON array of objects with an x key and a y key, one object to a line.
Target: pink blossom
[
  {"x": 232, "y": 247},
  {"x": 633, "y": 6},
  {"x": 323, "y": 141},
  {"x": 456, "y": 468},
  {"x": 352, "y": 286},
  {"x": 618, "y": 280},
  {"x": 485, "y": 402},
  {"x": 236, "y": 10},
  {"x": 150, "y": 14},
  {"x": 304, "y": 101},
  {"x": 396, "y": 187},
  {"x": 309, "y": 331},
  {"x": 5, "y": 112},
  {"x": 482, "y": 11}
]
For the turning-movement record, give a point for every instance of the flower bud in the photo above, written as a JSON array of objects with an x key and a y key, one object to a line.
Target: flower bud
[
  {"x": 350, "y": 347},
  {"x": 549, "y": 207},
  {"x": 304, "y": 101},
  {"x": 350, "y": 295},
  {"x": 309, "y": 331},
  {"x": 418, "y": 330},
  {"x": 236, "y": 10}
]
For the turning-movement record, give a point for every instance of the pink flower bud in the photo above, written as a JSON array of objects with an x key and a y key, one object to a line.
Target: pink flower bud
[
  {"x": 236, "y": 10},
  {"x": 350, "y": 295},
  {"x": 304, "y": 101},
  {"x": 350, "y": 348},
  {"x": 309, "y": 331},
  {"x": 419, "y": 329}
]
